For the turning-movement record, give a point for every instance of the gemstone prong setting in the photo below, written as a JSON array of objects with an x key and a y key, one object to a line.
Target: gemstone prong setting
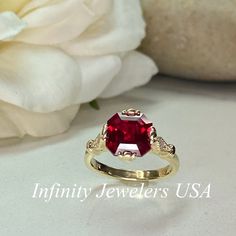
[{"x": 128, "y": 131}]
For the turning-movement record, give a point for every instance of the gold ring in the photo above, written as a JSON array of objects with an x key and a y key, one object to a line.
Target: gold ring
[{"x": 130, "y": 135}]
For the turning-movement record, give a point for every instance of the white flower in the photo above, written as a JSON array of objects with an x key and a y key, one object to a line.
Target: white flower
[{"x": 57, "y": 54}]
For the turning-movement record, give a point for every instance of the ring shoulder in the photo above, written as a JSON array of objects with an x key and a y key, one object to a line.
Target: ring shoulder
[
  {"x": 162, "y": 148},
  {"x": 97, "y": 146}
]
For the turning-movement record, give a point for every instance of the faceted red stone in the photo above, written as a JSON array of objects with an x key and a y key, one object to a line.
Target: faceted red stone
[{"x": 128, "y": 133}]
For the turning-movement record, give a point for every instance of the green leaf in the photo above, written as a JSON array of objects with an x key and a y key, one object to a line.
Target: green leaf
[{"x": 94, "y": 105}]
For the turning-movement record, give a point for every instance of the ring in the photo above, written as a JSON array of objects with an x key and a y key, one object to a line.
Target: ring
[{"x": 129, "y": 135}]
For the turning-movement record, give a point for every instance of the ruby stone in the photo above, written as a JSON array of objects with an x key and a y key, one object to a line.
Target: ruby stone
[{"x": 128, "y": 134}]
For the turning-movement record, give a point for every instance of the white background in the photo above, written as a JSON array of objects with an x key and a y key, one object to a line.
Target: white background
[{"x": 199, "y": 118}]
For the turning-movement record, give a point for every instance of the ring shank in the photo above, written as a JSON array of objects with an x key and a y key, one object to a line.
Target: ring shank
[{"x": 135, "y": 175}]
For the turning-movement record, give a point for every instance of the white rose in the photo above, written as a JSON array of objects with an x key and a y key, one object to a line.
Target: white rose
[{"x": 57, "y": 54}]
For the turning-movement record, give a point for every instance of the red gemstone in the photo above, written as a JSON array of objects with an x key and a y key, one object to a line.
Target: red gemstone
[{"x": 128, "y": 133}]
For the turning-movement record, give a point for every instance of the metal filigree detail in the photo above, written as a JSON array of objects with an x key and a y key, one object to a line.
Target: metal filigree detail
[
  {"x": 153, "y": 135},
  {"x": 97, "y": 145},
  {"x": 131, "y": 112},
  {"x": 159, "y": 145},
  {"x": 127, "y": 156}
]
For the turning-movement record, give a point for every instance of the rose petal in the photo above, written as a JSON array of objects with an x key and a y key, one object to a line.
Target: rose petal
[
  {"x": 12, "y": 5},
  {"x": 52, "y": 14},
  {"x": 60, "y": 22},
  {"x": 137, "y": 69},
  {"x": 121, "y": 30},
  {"x": 38, "y": 78},
  {"x": 17, "y": 122},
  {"x": 97, "y": 73},
  {"x": 10, "y": 25},
  {"x": 32, "y": 5}
]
